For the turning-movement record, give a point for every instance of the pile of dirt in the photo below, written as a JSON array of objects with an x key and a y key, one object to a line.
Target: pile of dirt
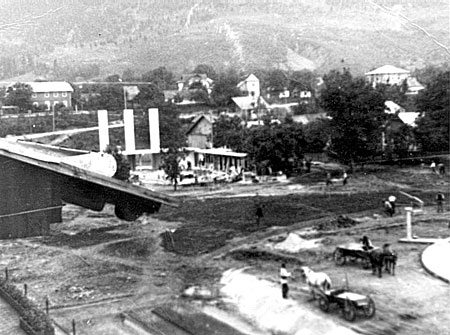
[
  {"x": 190, "y": 241},
  {"x": 136, "y": 248},
  {"x": 342, "y": 221},
  {"x": 294, "y": 243},
  {"x": 254, "y": 254}
]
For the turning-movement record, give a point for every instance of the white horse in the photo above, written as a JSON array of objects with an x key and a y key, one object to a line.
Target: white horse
[{"x": 315, "y": 280}]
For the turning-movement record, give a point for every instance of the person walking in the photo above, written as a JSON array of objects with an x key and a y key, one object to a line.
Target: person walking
[
  {"x": 328, "y": 181},
  {"x": 441, "y": 168},
  {"x": 308, "y": 165},
  {"x": 344, "y": 178},
  {"x": 388, "y": 208},
  {"x": 259, "y": 210},
  {"x": 433, "y": 167},
  {"x": 440, "y": 202},
  {"x": 392, "y": 199},
  {"x": 259, "y": 213},
  {"x": 284, "y": 275}
]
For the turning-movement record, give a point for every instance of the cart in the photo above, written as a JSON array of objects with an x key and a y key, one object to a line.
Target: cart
[
  {"x": 350, "y": 303},
  {"x": 353, "y": 252}
]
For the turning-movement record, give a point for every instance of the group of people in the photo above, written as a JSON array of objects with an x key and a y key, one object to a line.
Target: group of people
[
  {"x": 437, "y": 168},
  {"x": 389, "y": 204}
]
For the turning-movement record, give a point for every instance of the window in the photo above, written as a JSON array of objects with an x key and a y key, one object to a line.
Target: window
[
  {"x": 47, "y": 94},
  {"x": 64, "y": 94},
  {"x": 55, "y": 94},
  {"x": 34, "y": 95}
]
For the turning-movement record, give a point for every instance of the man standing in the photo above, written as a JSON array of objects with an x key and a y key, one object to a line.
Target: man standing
[
  {"x": 388, "y": 207},
  {"x": 440, "y": 202},
  {"x": 344, "y": 178},
  {"x": 392, "y": 199},
  {"x": 328, "y": 181},
  {"x": 284, "y": 274}
]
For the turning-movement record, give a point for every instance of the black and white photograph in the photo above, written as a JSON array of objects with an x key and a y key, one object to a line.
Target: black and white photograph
[{"x": 224, "y": 167}]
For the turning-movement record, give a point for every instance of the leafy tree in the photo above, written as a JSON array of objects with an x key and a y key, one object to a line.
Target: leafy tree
[
  {"x": 275, "y": 80},
  {"x": 206, "y": 69},
  {"x": 357, "y": 112},
  {"x": 104, "y": 96},
  {"x": 303, "y": 80},
  {"x": 162, "y": 78},
  {"x": 19, "y": 95},
  {"x": 114, "y": 78},
  {"x": 149, "y": 96},
  {"x": 317, "y": 135},
  {"x": 433, "y": 128},
  {"x": 276, "y": 147},
  {"x": 128, "y": 75},
  {"x": 229, "y": 132},
  {"x": 173, "y": 139},
  {"x": 225, "y": 88}
]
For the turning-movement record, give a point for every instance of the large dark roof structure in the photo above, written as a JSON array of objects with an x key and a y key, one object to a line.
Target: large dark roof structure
[{"x": 37, "y": 179}]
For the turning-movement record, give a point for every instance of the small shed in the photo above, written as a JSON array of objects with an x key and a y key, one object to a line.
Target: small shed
[{"x": 199, "y": 133}]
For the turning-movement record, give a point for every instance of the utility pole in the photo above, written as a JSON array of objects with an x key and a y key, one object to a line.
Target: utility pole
[
  {"x": 124, "y": 97},
  {"x": 53, "y": 117}
]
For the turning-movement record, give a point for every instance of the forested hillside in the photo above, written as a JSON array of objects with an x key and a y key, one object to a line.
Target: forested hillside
[{"x": 69, "y": 39}]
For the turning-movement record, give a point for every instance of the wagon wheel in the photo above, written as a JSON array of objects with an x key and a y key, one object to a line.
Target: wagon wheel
[
  {"x": 369, "y": 309},
  {"x": 349, "y": 311},
  {"x": 324, "y": 304},
  {"x": 339, "y": 257}
]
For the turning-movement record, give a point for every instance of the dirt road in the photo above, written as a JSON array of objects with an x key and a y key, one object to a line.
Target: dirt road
[{"x": 94, "y": 267}]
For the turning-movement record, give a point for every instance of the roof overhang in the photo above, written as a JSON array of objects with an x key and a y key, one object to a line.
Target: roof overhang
[{"x": 52, "y": 159}]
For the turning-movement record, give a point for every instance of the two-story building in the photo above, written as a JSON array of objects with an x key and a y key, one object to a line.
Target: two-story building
[
  {"x": 250, "y": 86},
  {"x": 51, "y": 93},
  {"x": 387, "y": 74}
]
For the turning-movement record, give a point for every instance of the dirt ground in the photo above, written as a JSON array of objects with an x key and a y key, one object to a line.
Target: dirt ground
[{"x": 93, "y": 266}]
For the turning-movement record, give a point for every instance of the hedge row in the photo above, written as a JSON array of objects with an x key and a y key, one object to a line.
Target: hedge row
[{"x": 36, "y": 318}]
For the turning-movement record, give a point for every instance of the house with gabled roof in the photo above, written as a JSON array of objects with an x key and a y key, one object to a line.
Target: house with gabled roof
[
  {"x": 391, "y": 75},
  {"x": 199, "y": 133},
  {"x": 250, "y": 86},
  {"x": 195, "y": 81},
  {"x": 51, "y": 93},
  {"x": 387, "y": 74}
]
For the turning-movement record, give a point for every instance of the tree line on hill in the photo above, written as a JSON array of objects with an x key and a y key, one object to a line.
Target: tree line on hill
[{"x": 352, "y": 132}]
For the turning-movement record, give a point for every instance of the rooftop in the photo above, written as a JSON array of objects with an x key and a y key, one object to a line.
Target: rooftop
[{"x": 387, "y": 69}]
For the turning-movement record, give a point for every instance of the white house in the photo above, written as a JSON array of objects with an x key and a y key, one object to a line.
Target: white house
[
  {"x": 51, "y": 93},
  {"x": 250, "y": 86},
  {"x": 387, "y": 74}
]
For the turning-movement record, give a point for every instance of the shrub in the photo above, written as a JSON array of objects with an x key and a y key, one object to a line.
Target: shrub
[{"x": 36, "y": 318}]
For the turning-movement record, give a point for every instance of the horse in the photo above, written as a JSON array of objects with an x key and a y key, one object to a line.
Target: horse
[
  {"x": 382, "y": 257},
  {"x": 390, "y": 259},
  {"x": 314, "y": 280}
]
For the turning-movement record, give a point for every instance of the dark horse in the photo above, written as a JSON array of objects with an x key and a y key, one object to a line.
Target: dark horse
[{"x": 383, "y": 257}]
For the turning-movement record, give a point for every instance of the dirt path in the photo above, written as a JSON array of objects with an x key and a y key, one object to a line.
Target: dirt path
[{"x": 94, "y": 267}]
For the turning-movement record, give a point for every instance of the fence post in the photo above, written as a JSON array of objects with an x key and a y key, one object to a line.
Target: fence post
[
  {"x": 6, "y": 274},
  {"x": 73, "y": 327},
  {"x": 46, "y": 305},
  {"x": 25, "y": 289}
]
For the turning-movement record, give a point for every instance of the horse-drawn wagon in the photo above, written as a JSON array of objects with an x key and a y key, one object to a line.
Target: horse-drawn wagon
[
  {"x": 350, "y": 303},
  {"x": 353, "y": 252}
]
